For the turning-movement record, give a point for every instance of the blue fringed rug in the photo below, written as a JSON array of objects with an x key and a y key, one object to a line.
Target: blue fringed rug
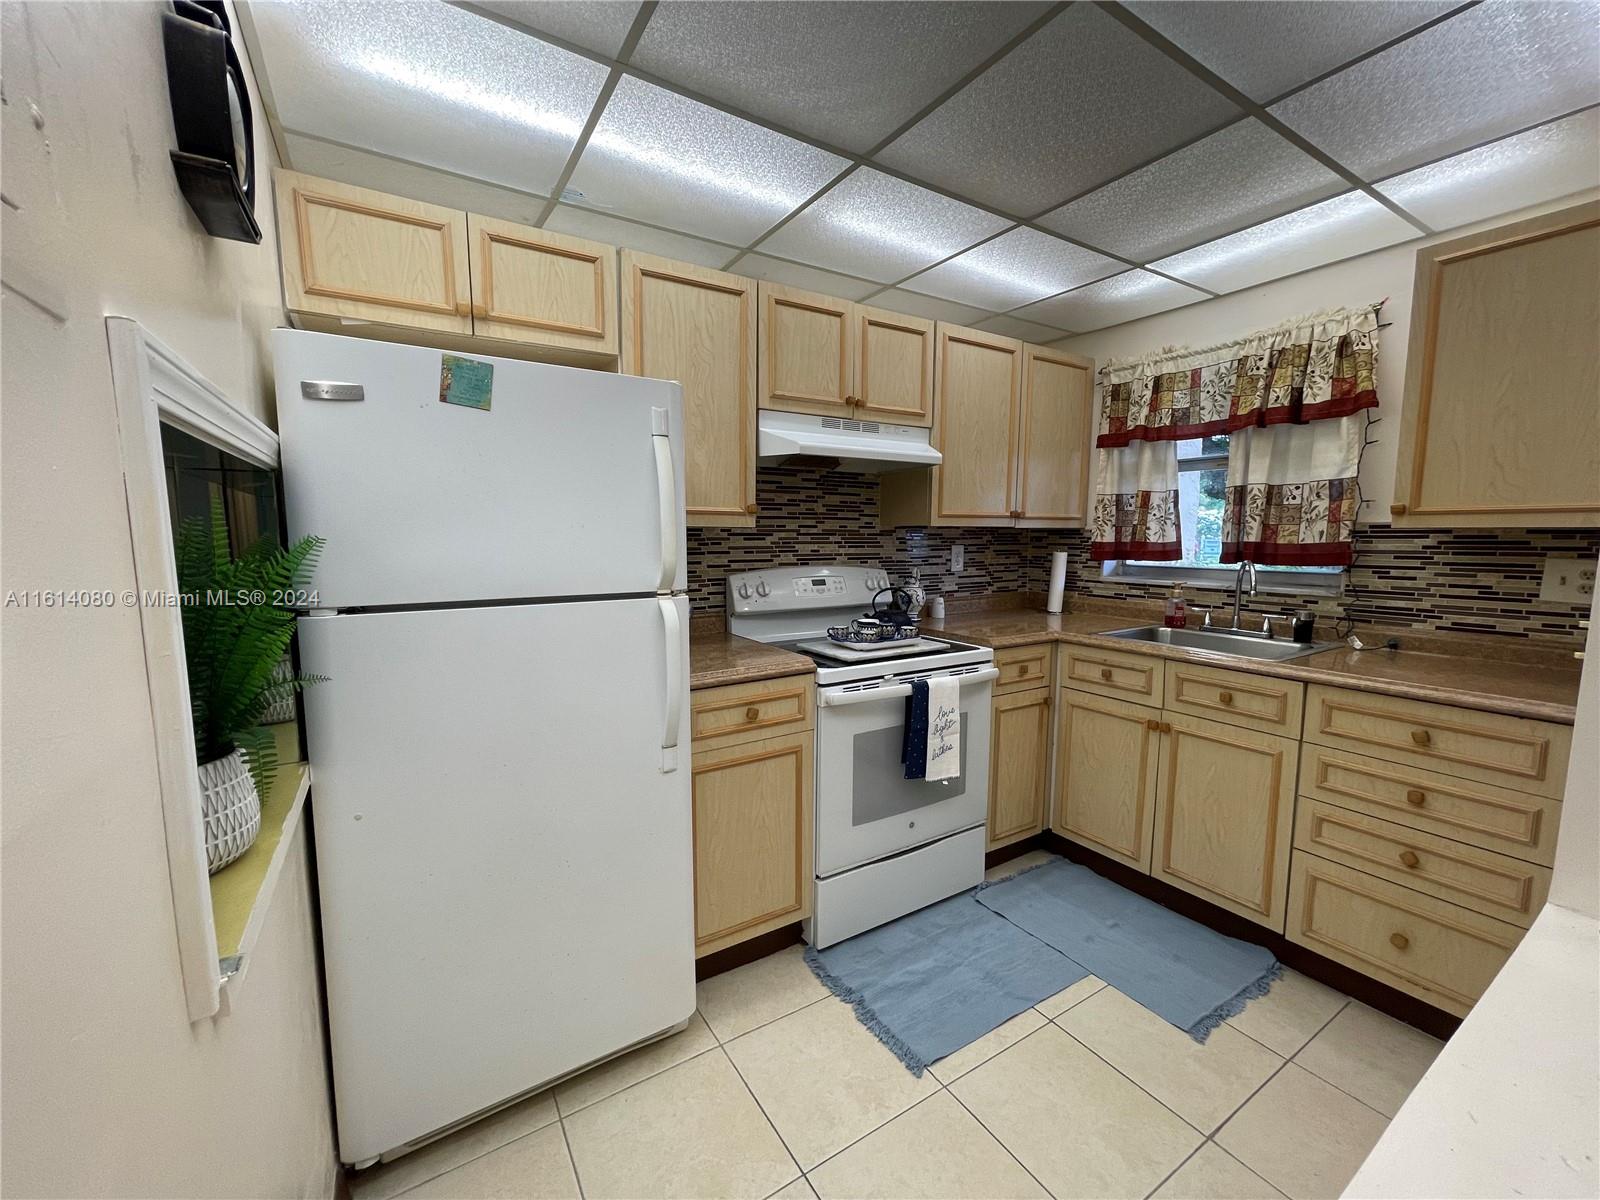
[{"x": 1185, "y": 973}]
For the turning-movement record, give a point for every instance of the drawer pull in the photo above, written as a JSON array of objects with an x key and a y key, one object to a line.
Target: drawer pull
[
  {"x": 1421, "y": 737},
  {"x": 1415, "y": 797},
  {"x": 1225, "y": 697},
  {"x": 1399, "y": 941},
  {"x": 752, "y": 713},
  {"x": 1023, "y": 669},
  {"x": 1409, "y": 858},
  {"x": 1105, "y": 673}
]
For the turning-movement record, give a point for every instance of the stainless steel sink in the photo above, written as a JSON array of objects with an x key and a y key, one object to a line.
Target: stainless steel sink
[{"x": 1243, "y": 644}]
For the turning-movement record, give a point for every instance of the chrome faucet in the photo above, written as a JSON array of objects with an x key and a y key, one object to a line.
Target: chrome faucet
[{"x": 1247, "y": 571}]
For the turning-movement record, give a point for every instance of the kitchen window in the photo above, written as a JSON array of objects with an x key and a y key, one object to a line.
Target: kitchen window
[{"x": 1202, "y": 490}]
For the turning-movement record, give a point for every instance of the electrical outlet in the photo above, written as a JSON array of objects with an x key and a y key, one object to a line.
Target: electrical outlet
[
  {"x": 958, "y": 558},
  {"x": 1568, "y": 580}
]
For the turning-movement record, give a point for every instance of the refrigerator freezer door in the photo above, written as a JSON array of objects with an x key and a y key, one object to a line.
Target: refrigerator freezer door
[
  {"x": 504, "y": 864},
  {"x": 555, "y": 490}
]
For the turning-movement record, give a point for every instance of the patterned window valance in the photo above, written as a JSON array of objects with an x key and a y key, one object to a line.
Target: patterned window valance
[{"x": 1313, "y": 369}]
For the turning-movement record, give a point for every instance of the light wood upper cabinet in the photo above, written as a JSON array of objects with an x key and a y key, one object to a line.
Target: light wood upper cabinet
[
  {"x": 1053, "y": 455},
  {"x": 1019, "y": 765},
  {"x": 1225, "y": 815},
  {"x": 894, "y": 367},
  {"x": 1501, "y": 424},
  {"x": 807, "y": 352},
  {"x": 1106, "y": 762},
  {"x": 975, "y": 427},
  {"x": 530, "y": 285},
  {"x": 350, "y": 252},
  {"x": 698, "y": 326}
]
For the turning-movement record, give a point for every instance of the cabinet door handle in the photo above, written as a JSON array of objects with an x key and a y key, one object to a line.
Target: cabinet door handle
[
  {"x": 1225, "y": 697},
  {"x": 1166, "y": 727},
  {"x": 1152, "y": 725},
  {"x": 752, "y": 713},
  {"x": 751, "y": 509},
  {"x": 1398, "y": 510},
  {"x": 1105, "y": 674},
  {"x": 463, "y": 308},
  {"x": 1409, "y": 858},
  {"x": 1421, "y": 737},
  {"x": 1415, "y": 797},
  {"x": 1399, "y": 941}
]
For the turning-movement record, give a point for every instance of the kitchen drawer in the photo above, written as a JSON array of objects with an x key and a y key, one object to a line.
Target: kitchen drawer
[
  {"x": 1114, "y": 673},
  {"x": 1530, "y": 756},
  {"x": 1490, "y": 883},
  {"x": 745, "y": 712},
  {"x": 1235, "y": 698},
  {"x": 1023, "y": 667},
  {"x": 1436, "y": 951},
  {"x": 1479, "y": 814}
]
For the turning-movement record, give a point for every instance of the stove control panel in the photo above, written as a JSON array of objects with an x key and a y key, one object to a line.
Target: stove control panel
[{"x": 786, "y": 589}]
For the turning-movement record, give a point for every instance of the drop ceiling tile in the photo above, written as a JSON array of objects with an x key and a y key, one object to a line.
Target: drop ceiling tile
[
  {"x": 598, "y": 27},
  {"x": 1079, "y": 102},
  {"x": 1339, "y": 228},
  {"x": 1245, "y": 43},
  {"x": 846, "y": 74},
  {"x": 400, "y": 178},
  {"x": 1499, "y": 67},
  {"x": 760, "y": 266},
  {"x": 1023, "y": 331},
  {"x": 411, "y": 79},
  {"x": 1542, "y": 164},
  {"x": 659, "y": 157},
  {"x": 931, "y": 307},
  {"x": 1013, "y": 269},
  {"x": 1238, "y": 176},
  {"x": 1125, "y": 297},
  {"x": 879, "y": 226},
  {"x": 602, "y": 227}
]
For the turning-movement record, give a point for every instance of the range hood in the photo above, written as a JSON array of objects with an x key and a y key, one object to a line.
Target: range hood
[{"x": 869, "y": 447}]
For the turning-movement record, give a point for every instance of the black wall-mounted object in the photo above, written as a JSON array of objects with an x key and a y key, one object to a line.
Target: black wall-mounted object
[{"x": 215, "y": 158}]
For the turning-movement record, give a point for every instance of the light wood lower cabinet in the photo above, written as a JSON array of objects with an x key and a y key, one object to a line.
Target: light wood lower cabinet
[
  {"x": 1019, "y": 765},
  {"x": 1106, "y": 763},
  {"x": 752, "y": 839},
  {"x": 1225, "y": 815}
]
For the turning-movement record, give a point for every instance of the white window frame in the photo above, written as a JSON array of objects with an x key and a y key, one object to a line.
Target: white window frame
[{"x": 153, "y": 386}]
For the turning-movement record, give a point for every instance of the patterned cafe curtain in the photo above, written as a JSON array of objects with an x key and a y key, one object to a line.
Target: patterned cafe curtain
[{"x": 1293, "y": 400}]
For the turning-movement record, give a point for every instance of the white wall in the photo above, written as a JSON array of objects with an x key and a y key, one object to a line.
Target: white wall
[
  {"x": 1576, "y": 882},
  {"x": 107, "y": 1088},
  {"x": 1356, "y": 281}
]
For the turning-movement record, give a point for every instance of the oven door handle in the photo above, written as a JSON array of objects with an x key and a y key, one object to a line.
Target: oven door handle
[{"x": 827, "y": 699}]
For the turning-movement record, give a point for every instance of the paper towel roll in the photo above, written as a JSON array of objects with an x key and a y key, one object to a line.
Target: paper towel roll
[{"x": 1058, "y": 581}]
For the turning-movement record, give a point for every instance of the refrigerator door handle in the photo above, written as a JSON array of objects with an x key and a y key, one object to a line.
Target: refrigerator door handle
[
  {"x": 672, "y": 628},
  {"x": 666, "y": 498}
]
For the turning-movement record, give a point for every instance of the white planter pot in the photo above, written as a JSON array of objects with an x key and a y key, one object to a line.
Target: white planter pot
[
  {"x": 230, "y": 807},
  {"x": 283, "y": 710}
]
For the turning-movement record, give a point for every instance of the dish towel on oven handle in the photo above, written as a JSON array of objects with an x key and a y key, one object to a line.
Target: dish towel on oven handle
[{"x": 931, "y": 746}]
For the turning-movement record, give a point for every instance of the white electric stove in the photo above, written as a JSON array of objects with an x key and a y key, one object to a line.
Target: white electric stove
[{"x": 885, "y": 845}]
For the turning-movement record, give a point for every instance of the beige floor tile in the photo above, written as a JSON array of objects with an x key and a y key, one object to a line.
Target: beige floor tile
[
  {"x": 691, "y": 1131},
  {"x": 1288, "y": 1016},
  {"x": 824, "y": 1080},
  {"x": 390, "y": 1179},
  {"x": 737, "y": 1001},
  {"x": 798, "y": 1190},
  {"x": 937, "y": 1149},
  {"x": 608, "y": 1078},
  {"x": 1214, "y": 1174},
  {"x": 536, "y": 1165},
  {"x": 953, "y": 1066},
  {"x": 1014, "y": 866},
  {"x": 1303, "y": 1136},
  {"x": 1075, "y": 1123},
  {"x": 1372, "y": 1056},
  {"x": 1067, "y": 997},
  {"x": 1203, "y": 1084}
]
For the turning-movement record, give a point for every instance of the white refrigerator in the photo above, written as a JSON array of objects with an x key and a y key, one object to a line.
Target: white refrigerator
[{"x": 500, "y": 759}]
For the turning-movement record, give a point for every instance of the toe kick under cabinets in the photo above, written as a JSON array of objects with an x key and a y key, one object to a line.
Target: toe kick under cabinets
[{"x": 1407, "y": 840}]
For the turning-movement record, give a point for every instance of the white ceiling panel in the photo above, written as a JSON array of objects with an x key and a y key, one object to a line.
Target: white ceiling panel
[
  {"x": 600, "y": 27},
  {"x": 931, "y": 307},
  {"x": 602, "y": 227},
  {"x": 846, "y": 74},
  {"x": 1238, "y": 176},
  {"x": 659, "y": 157},
  {"x": 1542, "y": 164},
  {"x": 429, "y": 83},
  {"x": 1013, "y": 269},
  {"x": 1023, "y": 331},
  {"x": 1125, "y": 297},
  {"x": 1340, "y": 228},
  {"x": 1501, "y": 66},
  {"x": 879, "y": 226},
  {"x": 1079, "y": 102},
  {"x": 1266, "y": 47},
  {"x": 760, "y": 266}
]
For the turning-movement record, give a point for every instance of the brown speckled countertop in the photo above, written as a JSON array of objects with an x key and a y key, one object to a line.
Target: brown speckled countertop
[
  {"x": 716, "y": 658},
  {"x": 1537, "y": 690}
]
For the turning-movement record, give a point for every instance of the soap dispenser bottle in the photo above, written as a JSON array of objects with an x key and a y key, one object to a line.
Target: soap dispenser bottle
[{"x": 1177, "y": 609}]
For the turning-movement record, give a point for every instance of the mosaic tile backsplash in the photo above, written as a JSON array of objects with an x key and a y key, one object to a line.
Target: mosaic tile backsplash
[{"x": 1469, "y": 581}]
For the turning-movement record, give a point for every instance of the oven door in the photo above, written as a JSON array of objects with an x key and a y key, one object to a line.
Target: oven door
[{"x": 866, "y": 807}]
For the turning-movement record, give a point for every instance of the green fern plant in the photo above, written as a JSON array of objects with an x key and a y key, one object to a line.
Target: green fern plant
[{"x": 234, "y": 636}]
